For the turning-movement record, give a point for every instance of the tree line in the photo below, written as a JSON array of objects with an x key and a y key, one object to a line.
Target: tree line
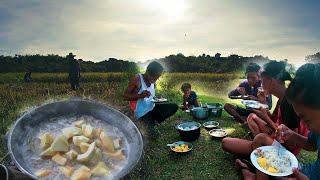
[
  {"x": 56, "y": 63},
  {"x": 173, "y": 63},
  {"x": 206, "y": 63},
  {"x": 313, "y": 58}
]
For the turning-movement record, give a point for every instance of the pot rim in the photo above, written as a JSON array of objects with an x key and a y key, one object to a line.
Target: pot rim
[
  {"x": 34, "y": 109},
  {"x": 199, "y": 108},
  {"x": 216, "y": 122},
  {"x": 197, "y": 123}
]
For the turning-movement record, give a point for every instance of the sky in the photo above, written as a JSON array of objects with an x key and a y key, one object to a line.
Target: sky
[{"x": 140, "y": 30}]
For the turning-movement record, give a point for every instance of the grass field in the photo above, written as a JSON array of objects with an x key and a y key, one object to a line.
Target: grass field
[{"x": 206, "y": 161}]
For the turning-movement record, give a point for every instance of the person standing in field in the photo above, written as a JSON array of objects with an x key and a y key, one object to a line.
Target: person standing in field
[
  {"x": 249, "y": 87},
  {"x": 78, "y": 71},
  {"x": 141, "y": 91},
  {"x": 27, "y": 76},
  {"x": 74, "y": 71}
]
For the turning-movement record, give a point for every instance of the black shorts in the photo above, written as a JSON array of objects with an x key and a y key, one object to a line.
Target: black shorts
[
  {"x": 243, "y": 111},
  {"x": 161, "y": 111}
]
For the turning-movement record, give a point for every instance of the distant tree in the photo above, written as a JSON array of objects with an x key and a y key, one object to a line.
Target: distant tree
[
  {"x": 289, "y": 67},
  {"x": 181, "y": 55},
  {"x": 55, "y": 63},
  {"x": 235, "y": 57},
  {"x": 313, "y": 57},
  {"x": 217, "y": 56},
  {"x": 173, "y": 63}
]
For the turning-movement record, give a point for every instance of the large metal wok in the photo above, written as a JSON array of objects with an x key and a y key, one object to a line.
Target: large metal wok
[{"x": 20, "y": 130}]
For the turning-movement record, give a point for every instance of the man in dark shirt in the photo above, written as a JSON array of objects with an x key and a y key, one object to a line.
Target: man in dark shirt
[
  {"x": 250, "y": 88},
  {"x": 74, "y": 71},
  {"x": 27, "y": 76}
]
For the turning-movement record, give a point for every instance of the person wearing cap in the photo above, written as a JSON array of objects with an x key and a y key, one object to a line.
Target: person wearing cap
[
  {"x": 74, "y": 71},
  {"x": 250, "y": 88},
  {"x": 141, "y": 91}
]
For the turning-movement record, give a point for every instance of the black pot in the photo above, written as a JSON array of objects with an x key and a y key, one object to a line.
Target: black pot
[{"x": 189, "y": 130}]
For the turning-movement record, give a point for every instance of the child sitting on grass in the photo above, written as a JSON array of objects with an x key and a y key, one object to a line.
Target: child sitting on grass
[{"x": 190, "y": 98}]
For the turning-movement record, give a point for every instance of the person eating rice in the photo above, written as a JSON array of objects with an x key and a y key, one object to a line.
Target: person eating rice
[
  {"x": 141, "y": 91},
  {"x": 250, "y": 88}
]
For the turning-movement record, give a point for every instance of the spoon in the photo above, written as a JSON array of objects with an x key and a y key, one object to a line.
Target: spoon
[
  {"x": 279, "y": 145},
  {"x": 170, "y": 145}
]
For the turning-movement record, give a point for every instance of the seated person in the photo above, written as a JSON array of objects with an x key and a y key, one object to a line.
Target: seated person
[
  {"x": 190, "y": 98},
  {"x": 142, "y": 90},
  {"x": 273, "y": 79},
  {"x": 273, "y": 75},
  {"x": 250, "y": 88},
  {"x": 304, "y": 95}
]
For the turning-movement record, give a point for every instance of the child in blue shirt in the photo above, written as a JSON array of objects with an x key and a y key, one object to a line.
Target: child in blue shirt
[{"x": 303, "y": 93}]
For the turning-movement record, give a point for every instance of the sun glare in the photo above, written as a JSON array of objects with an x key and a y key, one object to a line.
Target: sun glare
[{"x": 173, "y": 9}]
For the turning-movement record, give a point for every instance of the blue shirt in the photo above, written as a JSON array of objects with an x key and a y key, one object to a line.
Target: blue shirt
[
  {"x": 313, "y": 170},
  {"x": 251, "y": 91}
]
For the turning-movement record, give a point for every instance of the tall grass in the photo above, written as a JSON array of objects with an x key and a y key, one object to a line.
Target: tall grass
[
  {"x": 17, "y": 96},
  {"x": 63, "y": 77}
]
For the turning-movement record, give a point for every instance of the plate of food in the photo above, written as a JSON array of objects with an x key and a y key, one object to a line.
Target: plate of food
[
  {"x": 180, "y": 147},
  {"x": 218, "y": 133},
  {"x": 158, "y": 100},
  {"x": 254, "y": 104},
  {"x": 269, "y": 160},
  {"x": 239, "y": 97}
]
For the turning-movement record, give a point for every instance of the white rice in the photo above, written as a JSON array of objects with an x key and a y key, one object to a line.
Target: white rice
[{"x": 281, "y": 161}]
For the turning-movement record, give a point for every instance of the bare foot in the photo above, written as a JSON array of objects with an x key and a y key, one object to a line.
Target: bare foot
[
  {"x": 247, "y": 175},
  {"x": 240, "y": 165}
]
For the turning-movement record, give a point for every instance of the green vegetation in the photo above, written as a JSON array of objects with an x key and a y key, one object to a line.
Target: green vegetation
[
  {"x": 313, "y": 58},
  {"x": 206, "y": 161},
  {"x": 173, "y": 63},
  {"x": 56, "y": 63}
]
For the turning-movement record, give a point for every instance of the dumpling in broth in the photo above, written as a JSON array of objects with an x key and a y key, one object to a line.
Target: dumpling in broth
[
  {"x": 83, "y": 173},
  {"x": 107, "y": 143}
]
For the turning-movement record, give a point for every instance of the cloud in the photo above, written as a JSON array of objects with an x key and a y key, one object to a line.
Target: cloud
[{"x": 138, "y": 30}]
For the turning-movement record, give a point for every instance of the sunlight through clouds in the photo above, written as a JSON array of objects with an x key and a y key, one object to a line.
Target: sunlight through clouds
[{"x": 173, "y": 9}]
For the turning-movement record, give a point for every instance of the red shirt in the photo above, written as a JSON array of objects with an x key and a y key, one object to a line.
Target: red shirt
[{"x": 278, "y": 117}]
